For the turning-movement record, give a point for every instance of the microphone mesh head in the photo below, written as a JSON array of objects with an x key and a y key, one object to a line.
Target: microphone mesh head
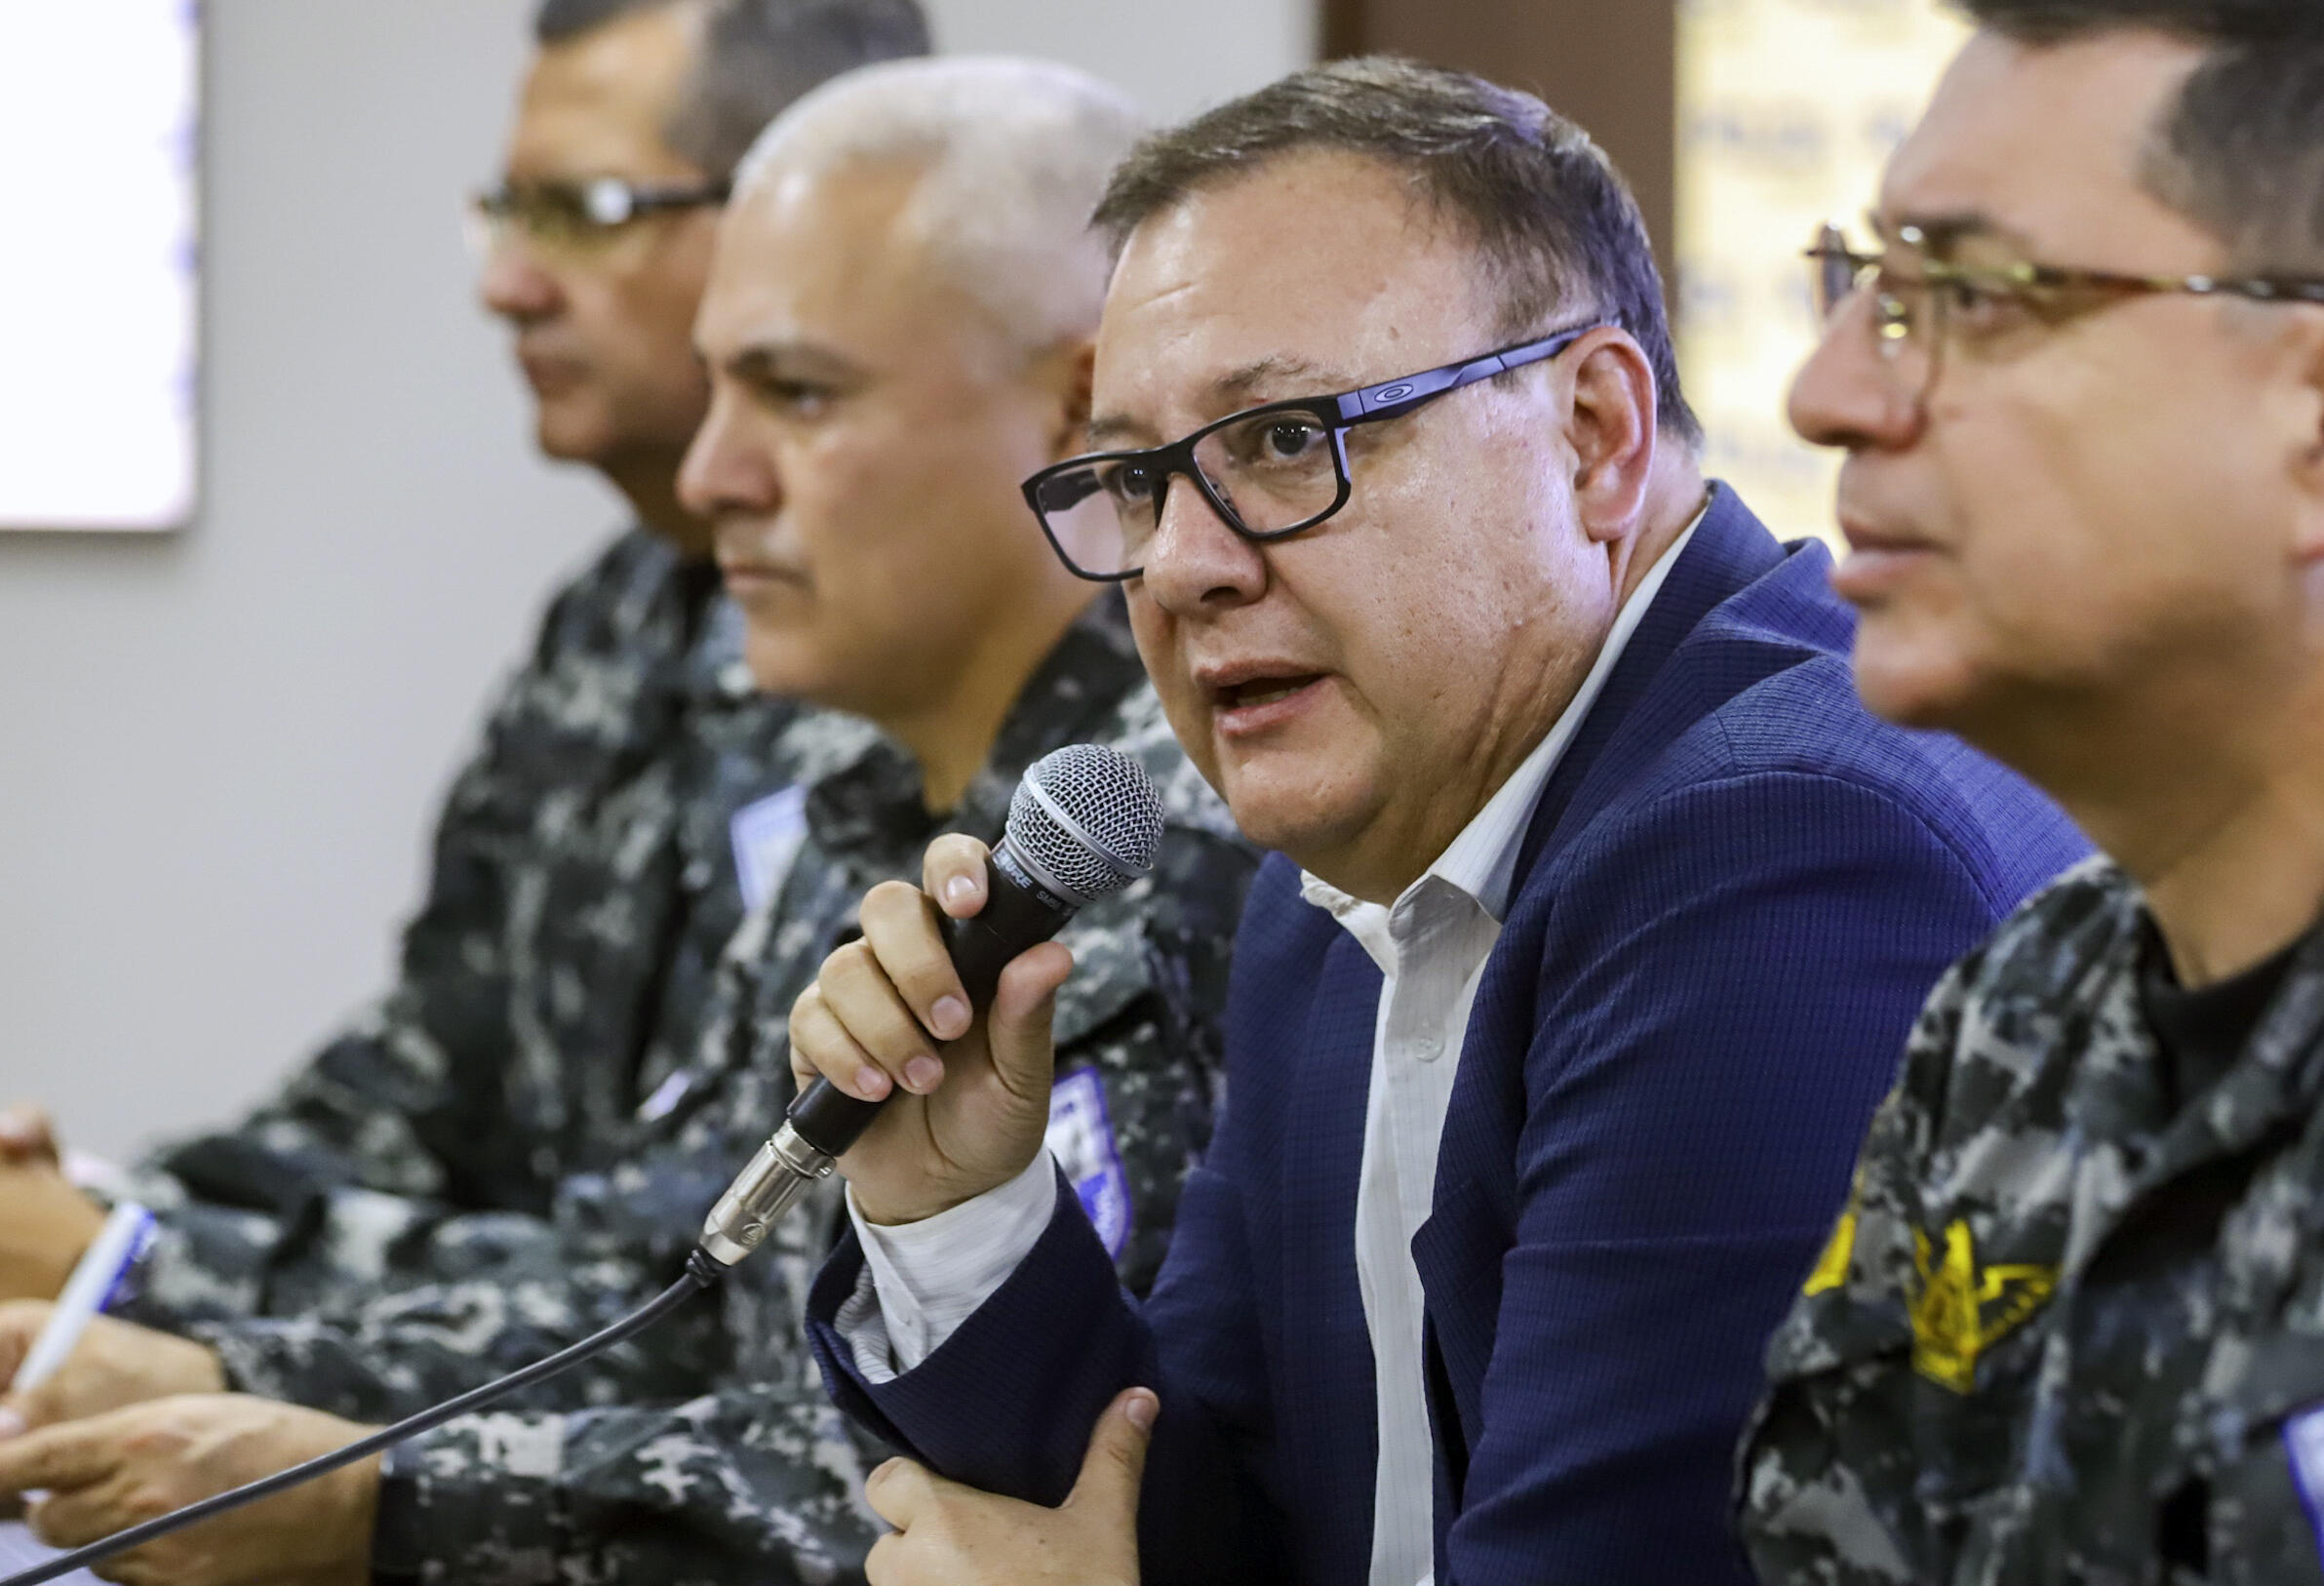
[{"x": 1107, "y": 796}]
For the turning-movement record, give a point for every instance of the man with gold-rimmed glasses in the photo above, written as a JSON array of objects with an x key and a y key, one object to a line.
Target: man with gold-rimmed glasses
[{"x": 2067, "y": 1329}]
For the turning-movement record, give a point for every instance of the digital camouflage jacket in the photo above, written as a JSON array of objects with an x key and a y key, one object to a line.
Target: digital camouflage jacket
[
  {"x": 583, "y": 884},
  {"x": 2066, "y": 1330},
  {"x": 705, "y": 1449}
]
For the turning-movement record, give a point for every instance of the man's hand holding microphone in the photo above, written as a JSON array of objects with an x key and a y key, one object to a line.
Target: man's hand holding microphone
[
  {"x": 963, "y": 1096},
  {"x": 965, "y": 1091}
]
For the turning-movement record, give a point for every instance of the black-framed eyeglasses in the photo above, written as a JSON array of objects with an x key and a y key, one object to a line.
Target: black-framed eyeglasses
[
  {"x": 1917, "y": 296},
  {"x": 580, "y": 215},
  {"x": 1269, "y": 472}
]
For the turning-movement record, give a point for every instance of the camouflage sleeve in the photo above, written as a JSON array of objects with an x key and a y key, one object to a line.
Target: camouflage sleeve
[
  {"x": 366, "y": 1143},
  {"x": 399, "y": 1354},
  {"x": 350, "y": 1155},
  {"x": 510, "y": 1290},
  {"x": 761, "y": 1483},
  {"x": 762, "y": 1479}
]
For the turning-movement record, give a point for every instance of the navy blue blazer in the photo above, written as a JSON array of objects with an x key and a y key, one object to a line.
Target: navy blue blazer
[{"x": 1734, "y": 895}]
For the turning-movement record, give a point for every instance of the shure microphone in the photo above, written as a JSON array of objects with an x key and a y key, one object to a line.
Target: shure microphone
[{"x": 1084, "y": 823}]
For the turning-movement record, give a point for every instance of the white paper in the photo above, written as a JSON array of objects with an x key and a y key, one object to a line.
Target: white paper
[{"x": 18, "y": 1551}]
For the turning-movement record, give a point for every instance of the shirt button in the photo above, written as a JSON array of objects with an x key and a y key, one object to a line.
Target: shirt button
[{"x": 1429, "y": 1048}]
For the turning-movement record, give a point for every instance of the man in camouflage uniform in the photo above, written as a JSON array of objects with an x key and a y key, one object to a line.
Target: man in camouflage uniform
[
  {"x": 2070, "y": 1326},
  {"x": 760, "y": 1471},
  {"x": 584, "y": 874},
  {"x": 707, "y": 1447}
]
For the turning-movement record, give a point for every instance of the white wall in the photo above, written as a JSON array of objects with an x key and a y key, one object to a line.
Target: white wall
[
  {"x": 1176, "y": 56},
  {"x": 219, "y": 750}
]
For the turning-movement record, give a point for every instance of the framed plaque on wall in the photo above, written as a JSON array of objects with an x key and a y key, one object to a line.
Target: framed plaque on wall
[{"x": 99, "y": 264}]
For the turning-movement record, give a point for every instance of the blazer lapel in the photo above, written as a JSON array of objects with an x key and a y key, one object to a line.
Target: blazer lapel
[{"x": 1459, "y": 1250}]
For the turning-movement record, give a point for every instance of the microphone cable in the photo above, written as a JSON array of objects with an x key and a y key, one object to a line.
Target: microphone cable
[
  {"x": 1084, "y": 823},
  {"x": 704, "y": 1271}
]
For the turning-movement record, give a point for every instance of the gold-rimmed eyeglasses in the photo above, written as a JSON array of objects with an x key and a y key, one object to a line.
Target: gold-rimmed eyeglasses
[{"x": 1922, "y": 299}]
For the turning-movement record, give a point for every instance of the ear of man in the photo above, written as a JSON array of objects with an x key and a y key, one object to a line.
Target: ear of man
[{"x": 1613, "y": 433}]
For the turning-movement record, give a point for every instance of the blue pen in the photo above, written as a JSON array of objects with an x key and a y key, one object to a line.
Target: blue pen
[
  {"x": 94, "y": 1285},
  {"x": 95, "y": 1282}
]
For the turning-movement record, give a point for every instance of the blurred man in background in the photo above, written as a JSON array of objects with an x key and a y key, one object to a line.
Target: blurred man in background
[
  {"x": 2067, "y": 1328},
  {"x": 593, "y": 856},
  {"x": 898, "y": 325}
]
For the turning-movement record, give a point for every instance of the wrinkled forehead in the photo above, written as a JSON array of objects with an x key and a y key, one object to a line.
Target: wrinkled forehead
[
  {"x": 1316, "y": 272},
  {"x": 2051, "y": 145}
]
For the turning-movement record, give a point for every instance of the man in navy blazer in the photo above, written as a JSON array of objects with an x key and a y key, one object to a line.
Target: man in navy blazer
[{"x": 1602, "y": 914}]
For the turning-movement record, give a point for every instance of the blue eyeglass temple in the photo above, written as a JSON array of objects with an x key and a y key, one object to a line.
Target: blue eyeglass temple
[{"x": 1387, "y": 400}]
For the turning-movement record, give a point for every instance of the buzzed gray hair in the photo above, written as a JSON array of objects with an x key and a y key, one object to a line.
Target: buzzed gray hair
[
  {"x": 756, "y": 57},
  {"x": 1013, "y": 153}
]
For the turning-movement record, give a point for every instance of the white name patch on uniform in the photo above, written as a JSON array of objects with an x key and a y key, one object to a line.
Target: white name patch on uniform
[
  {"x": 665, "y": 1097},
  {"x": 767, "y": 836},
  {"x": 1081, "y": 1139}
]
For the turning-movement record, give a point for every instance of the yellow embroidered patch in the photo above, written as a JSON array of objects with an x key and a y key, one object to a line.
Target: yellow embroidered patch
[
  {"x": 1961, "y": 1312},
  {"x": 1832, "y": 1267}
]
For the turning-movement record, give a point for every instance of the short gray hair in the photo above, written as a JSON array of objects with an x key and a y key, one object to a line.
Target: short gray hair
[
  {"x": 1014, "y": 154},
  {"x": 1552, "y": 218},
  {"x": 756, "y": 57}
]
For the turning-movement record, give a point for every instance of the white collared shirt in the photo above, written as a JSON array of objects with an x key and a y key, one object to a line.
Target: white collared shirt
[{"x": 922, "y": 1280}]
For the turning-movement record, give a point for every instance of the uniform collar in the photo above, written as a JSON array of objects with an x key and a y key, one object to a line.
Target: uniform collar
[{"x": 2130, "y": 1144}]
